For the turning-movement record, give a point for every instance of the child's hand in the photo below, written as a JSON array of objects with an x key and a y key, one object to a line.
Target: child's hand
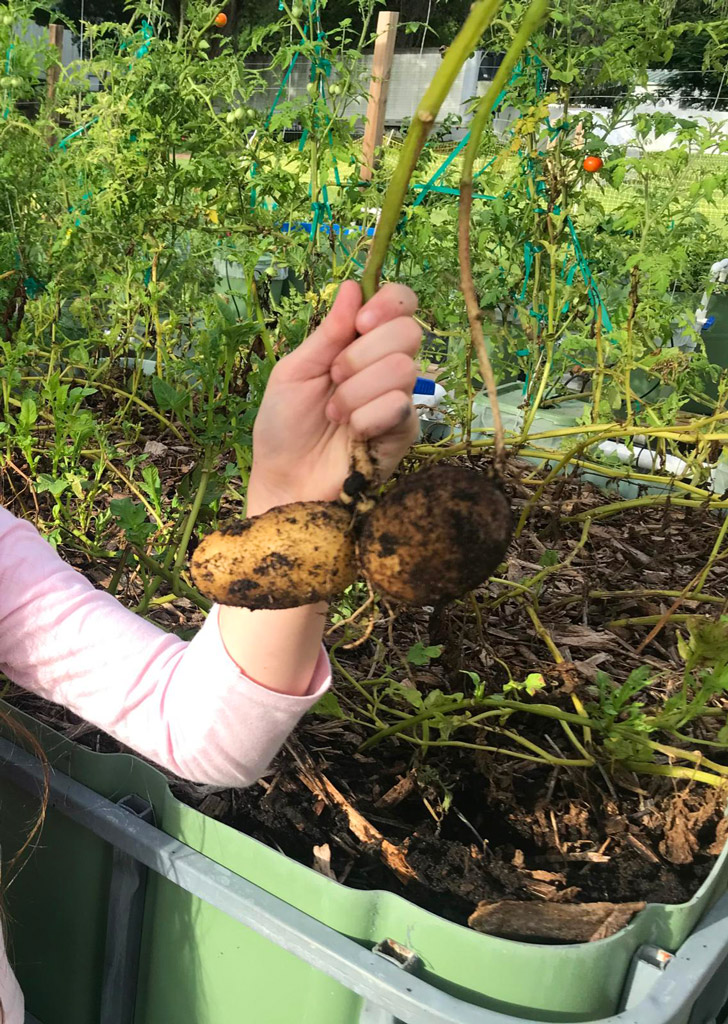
[{"x": 353, "y": 377}]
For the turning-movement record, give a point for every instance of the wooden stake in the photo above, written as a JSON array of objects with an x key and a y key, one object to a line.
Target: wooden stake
[
  {"x": 379, "y": 88},
  {"x": 52, "y": 75},
  {"x": 56, "y": 37}
]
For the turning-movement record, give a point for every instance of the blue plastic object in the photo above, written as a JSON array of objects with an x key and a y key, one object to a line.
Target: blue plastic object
[
  {"x": 708, "y": 323},
  {"x": 424, "y": 386}
]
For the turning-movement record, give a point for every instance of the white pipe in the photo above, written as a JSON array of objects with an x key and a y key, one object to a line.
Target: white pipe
[{"x": 645, "y": 458}]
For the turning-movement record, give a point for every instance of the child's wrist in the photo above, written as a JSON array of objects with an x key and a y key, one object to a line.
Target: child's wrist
[{"x": 264, "y": 494}]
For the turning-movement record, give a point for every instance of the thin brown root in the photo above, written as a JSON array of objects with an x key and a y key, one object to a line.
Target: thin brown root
[
  {"x": 665, "y": 618},
  {"x": 475, "y": 319},
  {"x": 352, "y": 618},
  {"x": 365, "y": 635}
]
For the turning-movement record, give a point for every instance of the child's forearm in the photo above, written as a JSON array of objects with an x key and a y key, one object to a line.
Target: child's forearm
[{"x": 277, "y": 649}]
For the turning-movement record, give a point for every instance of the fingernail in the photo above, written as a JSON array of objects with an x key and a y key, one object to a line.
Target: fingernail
[
  {"x": 337, "y": 374},
  {"x": 333, "y": 414},
  {"x": 366, "y": 321}
]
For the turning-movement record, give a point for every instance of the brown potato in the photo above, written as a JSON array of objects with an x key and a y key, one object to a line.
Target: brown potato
[
  {"x": 436, "y": 535},
  {"x": 290, "y": 556}
]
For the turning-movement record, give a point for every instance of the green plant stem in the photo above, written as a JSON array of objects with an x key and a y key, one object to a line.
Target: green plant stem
[
  {"x": 528, "y": 586},
  {"x": 688, "y": 755},
  {"x": 470, "y": 704},
  {"x": 691, "y": 433},
  {"x": 182, "y": 588},
  {"x": 338, "y": 667},
  {"x": 551, "y": 475},
  {"x": 626, "y": 474},
  {"x": 544, "y": 635},
  {"x": 534, "y": 748},
  {"x": 189, "y": 526},
  {"x": 580, "y": 748},
  {"x": 597, "y": 395},
  {"x": 534, "y": 16},
  {"x": 653, "y": 500},
  {"x": 693, "y": 739},
  {"x": 673, "y": 771},
  {"x": 481, "y": 14},
  {"x": 645, "y": 620},
  {"x": 535, "y": 404},
  {"x": 715, "y": 552},
  {"x": 516, "y": 755},
  {"x": 116, "y": 578},
  {"x": 618, "y": 595}
]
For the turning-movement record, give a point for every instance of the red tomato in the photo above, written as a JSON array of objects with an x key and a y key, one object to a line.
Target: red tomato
[
  {"x": 592, "y": 164},
  {"x": 221, "y": 20}
]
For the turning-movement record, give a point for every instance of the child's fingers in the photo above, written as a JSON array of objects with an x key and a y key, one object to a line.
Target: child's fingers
[
  {"x": 316, "y": 354},
  {"x": 396, "y": 372},
  {"x": 391, "y": 301},
  {"x": 391, "y": 414},
  {"x": 401, "y": 335}
]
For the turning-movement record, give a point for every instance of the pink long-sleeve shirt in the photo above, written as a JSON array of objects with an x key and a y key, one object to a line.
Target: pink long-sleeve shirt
[{"x": 186, "y": 706}]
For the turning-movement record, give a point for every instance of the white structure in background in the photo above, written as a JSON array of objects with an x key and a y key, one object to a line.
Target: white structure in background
[
  {"x": 412, "y": 72},
  {"x": 71, "y": 44},
  {"x": 71, "y": 52},
  {"x": 718, "y": 275}
]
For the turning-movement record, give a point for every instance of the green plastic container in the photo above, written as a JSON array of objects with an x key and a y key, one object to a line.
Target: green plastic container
[
  {"x": 715, "y": 340},
  {"x": 201, "y": 967}
]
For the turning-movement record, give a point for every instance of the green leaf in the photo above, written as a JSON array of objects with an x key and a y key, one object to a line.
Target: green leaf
[
  {"x": 549, "y": 557},
  {"x": 328, "y": 707},
  {"x": 226, "y": 308},
  {"x": 28, "y": 415},
  {"x": 166, "y": 396},
  {"x": 132, "y": 518},
  {"x": 152, "y": 485},
  {"x": 50, "y": 484},
  {"x": 534, "y": 682},
  {"x": 420, "y": 655},
  {"x": 710, "y": 183},
  {"x": 618, "y": 175}
]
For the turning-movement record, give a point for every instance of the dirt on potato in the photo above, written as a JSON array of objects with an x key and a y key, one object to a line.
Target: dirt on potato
[
  {"x": 294, "y": 555},
  {"x": 436, "y": 535}
]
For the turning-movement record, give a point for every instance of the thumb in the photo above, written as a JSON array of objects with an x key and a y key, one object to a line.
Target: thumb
[{"x": 314, "y": 356}]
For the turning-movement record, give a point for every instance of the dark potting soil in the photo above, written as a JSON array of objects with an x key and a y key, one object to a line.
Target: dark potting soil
[
  {"x": 507, "y": 834},
  {"x": 474, "y": 825}
]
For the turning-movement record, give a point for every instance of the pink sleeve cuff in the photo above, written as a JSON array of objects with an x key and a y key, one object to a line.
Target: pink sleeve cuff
[{"x": 320, "y": 680}]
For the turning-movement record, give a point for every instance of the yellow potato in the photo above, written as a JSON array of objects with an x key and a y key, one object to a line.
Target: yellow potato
[
  {"x": 435, "y": 535},
  {"x": 290, "y": 556}
]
